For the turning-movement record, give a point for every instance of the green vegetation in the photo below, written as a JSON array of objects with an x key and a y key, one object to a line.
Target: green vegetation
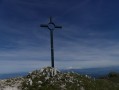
[
  {"x": 112, "y": 76},
  {"x": 45, "y": 80}
]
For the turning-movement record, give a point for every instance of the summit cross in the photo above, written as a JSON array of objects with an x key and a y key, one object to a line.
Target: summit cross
[{"x": 51, "y": 26}]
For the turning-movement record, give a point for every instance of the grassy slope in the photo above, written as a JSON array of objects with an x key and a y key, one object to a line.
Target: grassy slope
[{"x": 79, "y": 82}]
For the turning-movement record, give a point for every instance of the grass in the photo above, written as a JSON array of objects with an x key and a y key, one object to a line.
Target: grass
[{"x": 72, "y": 81}]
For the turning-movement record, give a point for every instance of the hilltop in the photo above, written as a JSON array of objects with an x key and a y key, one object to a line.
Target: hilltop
[{"x": 52, "y": 79}]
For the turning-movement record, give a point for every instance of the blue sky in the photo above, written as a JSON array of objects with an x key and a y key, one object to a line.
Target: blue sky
[{"x": 89, "y": 37}]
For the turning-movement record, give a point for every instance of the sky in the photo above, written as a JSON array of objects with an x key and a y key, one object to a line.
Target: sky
[{"x": 89, "y": 37}]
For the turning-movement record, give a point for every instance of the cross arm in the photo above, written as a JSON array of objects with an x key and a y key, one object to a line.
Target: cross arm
[
  {"x": 43, "y": 25},
  {"x": 58, "y": 26}
]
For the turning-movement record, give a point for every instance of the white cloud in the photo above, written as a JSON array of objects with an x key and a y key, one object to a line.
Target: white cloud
[
  {"x": 73, "y": 55},
  {"x": 11, "y": 66},
  {"x": 75, "y": 47}
]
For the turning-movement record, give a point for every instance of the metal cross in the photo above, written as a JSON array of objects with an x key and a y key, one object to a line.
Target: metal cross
[{"x": 51, "y": 26}]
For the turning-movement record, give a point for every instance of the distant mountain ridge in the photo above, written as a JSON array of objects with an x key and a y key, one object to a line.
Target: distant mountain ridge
[
  {"x": 13, "y": 75},
  {"x": 93, "y": 72}
]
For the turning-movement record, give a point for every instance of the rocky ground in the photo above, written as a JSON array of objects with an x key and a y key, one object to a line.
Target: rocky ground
[
  {"x": 44, "y": 79},
  {"x": 51, "y": 79},
  {"x": 11, "y": 84}
]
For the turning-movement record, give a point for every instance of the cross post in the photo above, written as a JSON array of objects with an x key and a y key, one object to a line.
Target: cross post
[{"x": 51, "y": 26}]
